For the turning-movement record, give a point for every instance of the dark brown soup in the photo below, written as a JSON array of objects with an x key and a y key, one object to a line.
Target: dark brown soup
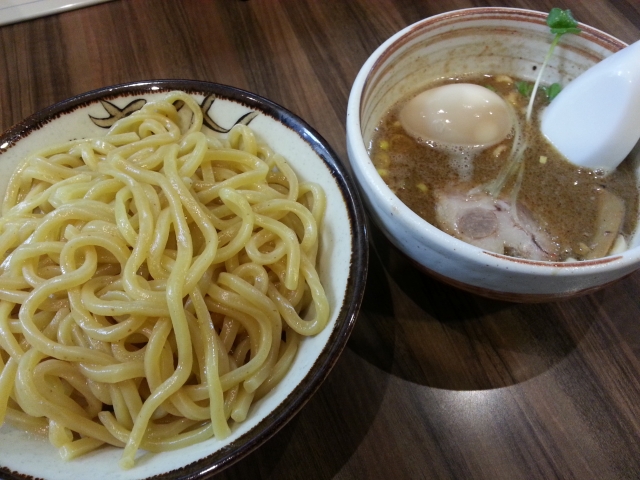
[{"x": 565, "y": 201}]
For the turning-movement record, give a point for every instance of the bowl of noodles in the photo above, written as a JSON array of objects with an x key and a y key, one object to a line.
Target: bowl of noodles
[
  {"x": 491, "y": 207},
  {"x": 182, "y": 264}
]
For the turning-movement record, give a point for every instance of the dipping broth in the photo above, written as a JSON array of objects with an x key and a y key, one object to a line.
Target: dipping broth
[{"x": 562, "y": 201}]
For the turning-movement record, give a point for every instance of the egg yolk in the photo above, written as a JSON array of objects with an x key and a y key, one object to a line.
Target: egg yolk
[{"x": 461, "y": 114}]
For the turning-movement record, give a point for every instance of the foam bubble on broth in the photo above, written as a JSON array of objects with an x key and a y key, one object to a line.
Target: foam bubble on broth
[{"x": 461, "y": 159}]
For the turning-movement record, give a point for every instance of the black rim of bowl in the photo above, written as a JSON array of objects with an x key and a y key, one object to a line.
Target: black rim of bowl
[{"x": 358, "y": 268}]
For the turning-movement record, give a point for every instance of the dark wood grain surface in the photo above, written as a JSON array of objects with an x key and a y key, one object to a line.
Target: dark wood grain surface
[{"x": 435, "y": 383}]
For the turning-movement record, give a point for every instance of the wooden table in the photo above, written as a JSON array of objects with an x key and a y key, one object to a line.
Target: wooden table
[{"x": 435, "y": 382}]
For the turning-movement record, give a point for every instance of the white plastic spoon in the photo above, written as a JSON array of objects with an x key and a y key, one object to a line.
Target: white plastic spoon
[{"x": 595, "y": 120}]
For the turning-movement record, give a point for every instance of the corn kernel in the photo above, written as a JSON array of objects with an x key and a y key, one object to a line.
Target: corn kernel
[
  {"x": 381, "y": 160},
  {"x": 543, "y": 159},
  {"x": 512, "y": 98},
  {"x": 383, "y": 172},
  {"x": 384, "y": 145},
  {"x": 422, "y": 187},
  {"x": 504, "y": 79},
  {"x": 498, "y": 150}
]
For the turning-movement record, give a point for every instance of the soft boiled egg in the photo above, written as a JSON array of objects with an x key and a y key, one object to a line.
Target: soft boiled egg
[{"x": 461, "y": 114}]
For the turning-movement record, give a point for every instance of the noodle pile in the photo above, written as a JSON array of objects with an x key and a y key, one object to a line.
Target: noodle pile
[{"x": 152, "y": 282}]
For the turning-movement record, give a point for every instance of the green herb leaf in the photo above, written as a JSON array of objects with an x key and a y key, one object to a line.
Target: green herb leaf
[
  {"x": 552, "y": 91},
  {"x": 562, "y": 21},
  {"x": 524, "y": 88}
]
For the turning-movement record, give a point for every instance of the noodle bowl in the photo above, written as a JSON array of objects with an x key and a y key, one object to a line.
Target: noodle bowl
[{"x": 155, "y": 282}]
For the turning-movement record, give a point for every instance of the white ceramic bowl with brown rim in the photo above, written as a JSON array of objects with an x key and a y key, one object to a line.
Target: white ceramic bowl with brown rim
[
  {"x": 342, "y": 267},
  {"x": 477, "y": 40}
]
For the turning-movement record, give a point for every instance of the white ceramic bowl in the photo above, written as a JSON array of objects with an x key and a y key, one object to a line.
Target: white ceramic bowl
[
  {"x": 342, "y": 267},
  {"x": 476, "y": 40}
]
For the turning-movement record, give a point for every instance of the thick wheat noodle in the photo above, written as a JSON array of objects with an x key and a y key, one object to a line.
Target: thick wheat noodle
[{"x": 153, "y": 282}]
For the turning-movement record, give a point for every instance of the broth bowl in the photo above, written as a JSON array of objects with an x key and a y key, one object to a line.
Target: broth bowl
[
  {"x": 473, "y": 41},
  {"x": 341, "y": 265}
]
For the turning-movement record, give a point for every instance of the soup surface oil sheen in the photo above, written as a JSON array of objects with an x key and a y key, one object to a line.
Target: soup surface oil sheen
[{"x": 564, "y": 200}]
